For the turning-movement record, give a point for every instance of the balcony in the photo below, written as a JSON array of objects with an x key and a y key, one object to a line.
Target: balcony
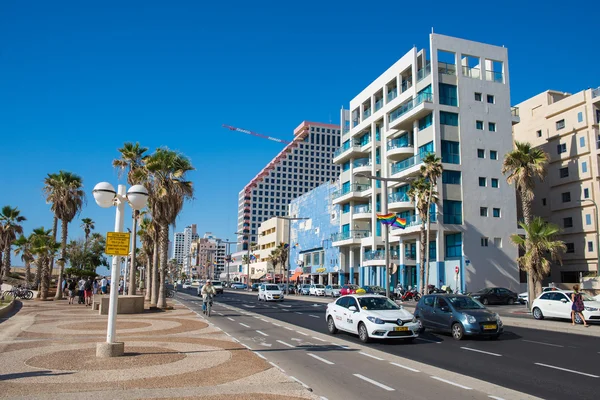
[
  {"x": 406, "y": 85},
  {"x": 378, "y": 104},
  {"x": 355, "y": 121},
  {"x": 596, "y": 95},
  {"x": 366, "y": 114},
  {"x": 377, "y": 257},
  {"x": 446, "y": 69},
  {"x": 494, "y": 76},
  {"x": 413, "y": 224},
  {"x": 346, "y": 150},
  {"x": 514, "y": 114},
  {"x": 399, "y": 201},
  {"x": 474, "y": 73},
  {"x": 424, "y": 72},
  {"x": 351, "y": 237},
  {"x": 349, "y": 192},
  {"x": 392, "y": 94},
  {"x": 400, "y": 148},
  {"x": 405, "y": 165},
  {"x": 362, "y": 211},
  {"x": 406, "y": 108}
]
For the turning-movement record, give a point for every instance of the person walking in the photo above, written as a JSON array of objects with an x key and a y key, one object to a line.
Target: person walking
[
  {"x": 577, "y": 306},
  {"x": 81, "y": 290},
  {"x": 89, "y": 285},
  {"x": 72, "y": 286}
]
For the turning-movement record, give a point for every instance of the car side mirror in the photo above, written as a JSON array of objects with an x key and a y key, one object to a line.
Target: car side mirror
[
  {"x": 445, "y": 309},
  {"x": 563, "y": 300},
  {"x": 353, "y": 309}
]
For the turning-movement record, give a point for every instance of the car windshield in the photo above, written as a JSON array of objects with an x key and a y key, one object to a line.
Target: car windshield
[
  {"x": 272, "y": 287},
  {"x": 465, "y": 303},
  {"x": 305, "y": 286},
  {"x": 217, "y": 283},
  {"x": 376, "y": 288},
  {"x": 320, "y": 286},
  {"x": 335, "y": 286},
  {"x": 377, "y": 303},
  {"x": 352, "y": 286}
]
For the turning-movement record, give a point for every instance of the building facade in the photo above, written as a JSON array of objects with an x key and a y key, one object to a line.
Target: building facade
[
  {"x": 565, "y": 126},
  {"x": 182, "y": 242},
  {"x": 301, "y": 166},
  {"x": 208, "y": 257},
  {"x": 452, "y": 100},
  {"x": 271, "y": 234}
]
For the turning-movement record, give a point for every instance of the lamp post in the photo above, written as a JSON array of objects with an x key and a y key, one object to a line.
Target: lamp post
[
  {"x": 246, "y": 235},
  {"x": 289, "y": 262},
  {"x": 386, "y": 232},
  {"x": 597, "y": 234},
  {"x": 106, "y": 196}
]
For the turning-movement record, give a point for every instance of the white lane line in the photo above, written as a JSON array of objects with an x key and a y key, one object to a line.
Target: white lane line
[
  {"x": 286, "y": 306},
  {"x": 285, "y": 344},
  {"x": 231, "y": 319},
  {"x": 264, "y": 320},
  {"x": 320, "y": 359},
  {"x": 276, "y": 324},
  {"x": 262, "y": 333},
  {"x": 495, "y": 398},
  {"x": 300, "y": 382},
  {"x": 545, "y": 344},
  {"x": 567, "y": 370},
  {"x": 260, "y": 355},
  {"x": 227, "y": 334},
  {"x": 340, "y": 345},
  {"x": 368, "y": 355},
  {"x": 246, "y": 346},
  {"x": 319, "y": 339},
  {"x": 297, "y": 312},
  {"x": 405, "y": 367},
  {"x": 276, "y": 366},
  {"x": 302, "y": 333},
  {"x": 247, "y": 326},
  {"x": 286, "y": 310},
  {"x": 288, "y": 328},
  {"x": 219, "y": 314},
  {"x": 427, "y": 340},
  {"x": 452, "y": 383},
  {"x": 314, "y": 316},
  {"x": 481, "y": 351},
  {"x": 381, "y": 385},
  {"x": 256, "y": 316},
  {"x": 324, "y": 398}
]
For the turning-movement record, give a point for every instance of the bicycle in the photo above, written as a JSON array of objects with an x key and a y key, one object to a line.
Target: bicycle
[
  {"x": 19, "y": 293},
  {"x": 209, "y": 302},
  {"x": 169, "y": 293}
]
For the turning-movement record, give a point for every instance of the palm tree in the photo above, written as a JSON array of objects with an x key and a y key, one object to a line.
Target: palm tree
[
  {"x": 284, "y": 252},
  {"x": 23, "y": 247},
  {"x": 169, "y": 190},
  {"x": 44, "y": 247},
  {"x": 274, "y": 259},
  {"x": 431, "y": 170},
  {"x": 539, "y": 243},
  {"x": 51, "y": 183},
  {"x": 88, "y": 225},
  {"x": 147, "y": 238},
  {"x": 11, "y": 219}
]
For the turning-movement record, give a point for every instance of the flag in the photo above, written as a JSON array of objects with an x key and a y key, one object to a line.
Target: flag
[
  {"x": 400, "y": 223},
  {"x": 387, "y": 219}
]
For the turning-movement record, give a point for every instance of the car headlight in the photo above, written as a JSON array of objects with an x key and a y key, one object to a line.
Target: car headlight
[
  {"x": 375, "y": 320},
  {"x": 591, "y": 309},
  {"x": 498, "y": 319},
  {"x": 476, "y": 296},
  {"x": 470, "y": 319}
]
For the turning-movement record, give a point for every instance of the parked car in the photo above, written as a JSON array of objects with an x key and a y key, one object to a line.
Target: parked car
[
  {"x": 333, "y": 290},
  {"x": 495, "y": 296},
  {"x": 186, "y": 285},
  {"x": 458, "y": 314},
  {"x": 238, "y": 285},
  {"x": 284, "y": 286},
  {"x": 524, "y": 297},
  {"x": 218, "y": 286},
  {"x": 597, "y": 298},
  {"x": 305, "y": 290},
  {"x": 557, "y": 304},
  {"x": 316, "y": 290},
  {"x": 348, "y": 289},
  {"x": 371, "y": 317},
  {"x": 270, "y": 292},
  {"x": 374, "y": 290},
  {"x": 255, "y": 287}
]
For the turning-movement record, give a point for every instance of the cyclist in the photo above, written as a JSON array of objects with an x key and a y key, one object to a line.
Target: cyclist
[{"x": 208, "y": 290}]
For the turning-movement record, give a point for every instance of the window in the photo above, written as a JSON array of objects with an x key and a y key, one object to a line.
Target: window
[
  {"x": 484, "y": 242},
  {"x": 490, "y": 99},
  {"x": 568, "y": 222},
  {"x": 346, "y": 166},
  {"x": 477, "y": 96},
  {"x": 564, "y": 172},
  {"x": 588, "y": 219},
  {"x": 454, "y": 245},
  {"x": 579, "y": 116},
  {"x": 584, "y": 167},
  {"x": 570, "y": 247},
  {"x": 480, "y": 153},
  {"x": 492, "y": 126},
  {"x": 479, "y": 125},
  {"x": 346, "y": 208},
  {"x": 566, "y": 197},
  {"x": 561, "y": 148},
  {"x": 582, "y": 141},
  {"x": 560, "y": 124},
  {"x": 483, "y": 211},
  {"x": 448, "y": 118},
  {"x": 425, "y": 121},
  {"x": 451, "y": 177},
  {"x": 590, "y": 246},
  {"x": 496, "y": 212},
  {"x": 448, "y": 95},
  {"x": 482, "y": 181},
  {"x": 450, "y": 152},
  {"x": 539, "y": 133},
  {"x": 494, "y": 182},
  {"x": 452, "y": 212},
  {"x": 493, "y": 155},
  {"x": 586, "y": 193},
  {"x": 498, "y": 242},
  {"x": 544, "y": 201}
]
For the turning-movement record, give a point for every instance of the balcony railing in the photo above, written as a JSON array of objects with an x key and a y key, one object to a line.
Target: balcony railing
[
  {"x": 362, "y": 209},
  {"x": 376, "y": 255},
  {"x": 378, "y": 104},
  {"x": 357, "y": 234},
  {"x": 415, "y": 220},
  {"x": 361, "y": 162},
  {"x": 399, "y": 197},
  {"x": 494, "y": 76},
  {"x": 514, "y": 111},
  {"x": 406, "y": 107},
  {"x": 365, "y": 139},
  {"x": 345, "y": 147},
  {"x": 595, "y": 92},
  {"x": 355, "y": 122},
  {"x": 405, "y": 164},
  {"x": 424, "y": 72},
  {"x": 366, "y": 114},
  {"x": 401, "y": 142},
  {"x": 447, "y": 69},
  {"x": 392, "y": 94},
  {"x": 474, "y": 73},
  {"x": 406, "y": 85},
  {"x": 355, "y": 187}
]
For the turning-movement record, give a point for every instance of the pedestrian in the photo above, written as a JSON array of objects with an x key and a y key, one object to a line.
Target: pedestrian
[
  {"x": 103, "y": 285},
  {"x": 81, "y": 290},
  {"x": 89, "y": 285},
  {"x": 71, "y": 287},
  {"x": 577, "y": 306},
  {"x": 95, "y": 287}
]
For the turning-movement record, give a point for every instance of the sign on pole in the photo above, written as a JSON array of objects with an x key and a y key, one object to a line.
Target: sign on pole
[{"x": 117, "y": 243}]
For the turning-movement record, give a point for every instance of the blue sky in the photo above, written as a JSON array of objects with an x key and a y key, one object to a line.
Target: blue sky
[{"x": 78, "y": 79}]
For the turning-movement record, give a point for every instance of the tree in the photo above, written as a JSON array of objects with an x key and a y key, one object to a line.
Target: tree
[
  {"x": 431, "y": 170},
  {"x": 539, "y": 243},
  {"x": 44, "y": 247},
  {"x": 85, "y": 256},
  {"x": 23, "y": 247},
  {"x": 146, "y": 234},
  {"x": 11, "y": 219},
  {"x": 524, "y": 165},
  {"x": 169, "y": 190},
  {"x": 275, "y": 259},
  {"x": 88, "y": 225}
]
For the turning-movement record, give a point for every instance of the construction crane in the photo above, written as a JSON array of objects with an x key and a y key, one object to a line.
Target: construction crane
[{"x": 233, "y": 128}]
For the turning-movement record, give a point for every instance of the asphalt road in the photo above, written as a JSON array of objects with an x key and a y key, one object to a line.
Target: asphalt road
[{"x": 545, "y": 364}]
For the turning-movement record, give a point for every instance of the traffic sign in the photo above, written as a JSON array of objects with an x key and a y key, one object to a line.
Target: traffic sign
[
  {"x": 456, "y": 269},
  {"x": 117, "y": 243}
]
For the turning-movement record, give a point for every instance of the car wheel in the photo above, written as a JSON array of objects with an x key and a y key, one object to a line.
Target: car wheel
[
  {"x": 363, "y": 334},
  {"x": 578, "y": 319},
  {"x": 421, "y": 327},
  {"x": 458, "y": 331},
  {"x": 511, "y": 301},
  {"x": 331, "y": 326},
  {"x": 485, "y": 301},
  {"x": 537, "y": 313},
  {"x": 258, "y": 298}
]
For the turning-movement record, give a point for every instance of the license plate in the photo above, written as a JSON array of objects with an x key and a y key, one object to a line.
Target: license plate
[
  {"x": 401, "y": 328},
  {"x": 489, "y": 327},
  {"x": 275, "y": 297}
]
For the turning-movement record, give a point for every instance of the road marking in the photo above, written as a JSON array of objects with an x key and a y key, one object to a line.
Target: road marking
[
  {"x": 265, "y": 344},
  {"x": 283, "y": 305},
  {"x": 320, "y": 359},
  {"x": 495, "y": 398},
  {"x": 288, "y": 328},
  {"x": 452, "y": 383},
  {"x": 340, "y": 345},
  {"x": 276, "y": 324},
  {"x": 246, "y": 346},
  {"x": 285, "y": 344},
  {"x": 368, "y": 355},
  {"x": 314, "y": 316},
  {"x": 381, "y": 385},
  {"x": 247, "y": 305},
  {"x": 256, "y": 316},
  {"x": 262, "y": 333},
  {"x": 405, "y": 367},
  {"x": 300, "y": 382},
  {"x": 219, "y": 314},
  {"x": 316, "y": 338},
  {"x": 297, "y": 312},
  {"x": 227, "y": 334},
  {"x": 276, "y": 366},
  {"x": 545, "y": 344},
  {"x": 260, "y": 355},
  {"x": 302, "y": 333},
  {"x": 286, "y": 310},
  {"x": 481, "y": 351},
  {"x": 427, "y": 340},
  {"x": 247, "y": 326},
  {"x": 567, "y": 370},
  {"x": 231, "y": 319},
  {"x": 262, "y": 319}
]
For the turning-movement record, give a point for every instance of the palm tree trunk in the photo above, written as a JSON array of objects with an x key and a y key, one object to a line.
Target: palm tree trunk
[
  {"x": 148, "y": 277},
  {"x": 38, "y": 277},
  {"x": 1, "y": 267},
  {"x": 43, "y": 278},
  {"x": 28, "y": 272},
  {"x": 164, "y": 249},
  {"x": 154, "y": 295},
  {"x": 54, "y": 233},
  {"x": 132, "y": 269},
  {"x": 428, "y": 233},
  {"x": 422, "y": 260},
  {"x": 6, "y": 270},
  {"x": 63, "y": 257},
  {"x": 531, "y": 286}
]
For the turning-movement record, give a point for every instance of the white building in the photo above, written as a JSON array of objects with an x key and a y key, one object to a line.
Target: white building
[
  {"x": 453, "y": 100},
  {"x": 182, "y": 243}
]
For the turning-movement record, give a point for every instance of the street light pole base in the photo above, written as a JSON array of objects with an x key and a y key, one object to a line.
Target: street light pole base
[{"x": 106, "y": 350}]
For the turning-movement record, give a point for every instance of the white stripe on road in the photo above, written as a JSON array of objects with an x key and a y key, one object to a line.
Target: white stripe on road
[
  {"x": 246, "y": 346},
  {"x": 276, "y": 324},
  {"x": 302, "y": 333},
  {"x": 286, "y": 306},
  {"x": 481, "y": 351},
  {"x": 276, "y": 366},
  {"x": 286, "y": 310},
  {"x": 451, "y": 383},
  {"x": 300, "y": 382},
  {"x": 256, "y": 316},
  {"x": 260, "y": 355},
  {"x": 227, "y": 334},
  {"x": 247, "y": 326},
  {"x": 495, "y": 398},
  {"x": 320, "y": 359},
  {"x": 314, "y": 316},
  {"x": 381, "y": 385},
  {"x": 262, "y": 333},
  {"x": 545, "y": 344},
  {"x": 340, "y": 345},
  {"x": 405, "y": 367},
  {"x": 297, "y": 312},
  {"x": 316, "y": 338},
  {"x": 427, "y": 340},
  {"x": 231, "y": 319},
  {"x": 219, "y": 314},
  {"x": 368, "y": 355},
  {"x": 567, "y": 370},
  {"x": 288, "y": 328},
  {"x": 285, "y": 344},
  {"x": 264, "y": 320}
]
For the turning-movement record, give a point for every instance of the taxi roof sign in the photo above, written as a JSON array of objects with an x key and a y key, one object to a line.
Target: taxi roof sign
[{"x": 117, "y": 243}]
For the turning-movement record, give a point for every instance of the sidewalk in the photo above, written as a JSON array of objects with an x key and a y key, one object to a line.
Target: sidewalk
[{"x": 47, "y": 350}]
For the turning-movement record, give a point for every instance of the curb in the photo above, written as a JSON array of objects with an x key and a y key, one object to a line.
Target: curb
[{"x": 8, "y": 309}]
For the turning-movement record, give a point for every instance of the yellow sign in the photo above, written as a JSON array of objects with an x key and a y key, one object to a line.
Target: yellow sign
[
  {"x": 117, "y": 244},
  {"x": 321, "y": 270}
]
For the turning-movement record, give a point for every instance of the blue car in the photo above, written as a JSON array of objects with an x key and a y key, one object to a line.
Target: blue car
[
  {"x": 237, "y": 285},
  {"x": 459, "y": 315}
]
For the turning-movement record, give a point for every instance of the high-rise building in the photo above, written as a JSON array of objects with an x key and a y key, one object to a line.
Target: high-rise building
[
  {"x": 565, "y": 126},
  {"x": 181, "y": 247},
  {"x": 207, "y": 255},
  {"x": 302, "y": 165},
  {"x": 452, "y": 100}
]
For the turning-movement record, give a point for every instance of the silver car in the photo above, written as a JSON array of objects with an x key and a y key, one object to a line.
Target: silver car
[{"x": 333, "y": 290}]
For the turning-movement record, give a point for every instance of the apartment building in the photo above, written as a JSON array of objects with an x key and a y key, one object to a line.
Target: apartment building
[
  {"x": 271, "y": 233},
  {"x": 182, "y": 242},
  {"x": 302, "y": 165},
  {"x": 452, "y": 100},
  {"x": 208, "y": 256},
  {"x": 566, "y": 127}
]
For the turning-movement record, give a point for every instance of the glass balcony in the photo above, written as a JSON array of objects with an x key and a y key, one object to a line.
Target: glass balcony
[
  {"x": 345, "y": 147},
  {"x": 392, "y": 94},
  {"x": 447, "y": 69},
  {"x": 362, "y": 209},
  {"x": 424, "y": 72},
  {"x": 399, "y": 197},
  {"x": 361, "y": 162},
  {"x": 595, "y": 92},
  {"x": 401, "y": 142},
  {"x": 405, "y": 164},
  {"x": 406, "y": 85},
  {"x": 366, "y": 114},
  {"x": 474, "y": 73},
  {"x": 415, "y": 220},
  {"x": 406, "y": 107},
  {"x": 355, "y": 187},
  {"x": 494, "y": 76},
  {"x": 378, "y": 104},
  {"x": 514, "y": 111},
  {"x": 356, "y": 234},
  {"x": 365, "y": 139},
  {"x": 355, "y": 122},
  {"x": 376, "y": 255}
]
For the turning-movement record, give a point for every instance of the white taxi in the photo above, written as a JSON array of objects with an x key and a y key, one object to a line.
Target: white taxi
[
  {"x": 371, "y": 317},
  {"x": 270, "y": 292}
]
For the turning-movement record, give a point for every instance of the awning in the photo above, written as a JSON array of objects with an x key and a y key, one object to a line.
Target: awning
[
  {"x": 260, "y": 275},
  {"x": 295, "y": 276}
]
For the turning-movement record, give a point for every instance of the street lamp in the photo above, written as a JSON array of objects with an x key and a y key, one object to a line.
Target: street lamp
[
  {"x": 246, "y": 235},
  {"x": 386, "y": 232},
  {"x": 106, "y": 196},
  {"x": 289, "y": 261},
  {"x": 597, "y": 236}
]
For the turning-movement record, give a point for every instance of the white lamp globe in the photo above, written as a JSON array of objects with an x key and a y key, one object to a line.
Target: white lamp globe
[
  {"x": 104, "y": 194},
  {"x": 137, "y": 196}
]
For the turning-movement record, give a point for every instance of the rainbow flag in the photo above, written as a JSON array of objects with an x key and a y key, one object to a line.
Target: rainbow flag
[
  {"x": 400, "y": 223},
  {"x": 387, "y": 219}
]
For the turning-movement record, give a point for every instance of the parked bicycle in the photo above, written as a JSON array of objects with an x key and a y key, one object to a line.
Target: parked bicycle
[
  {"x": 169, "y": 293},
  {"x": 19, "y": 292}
]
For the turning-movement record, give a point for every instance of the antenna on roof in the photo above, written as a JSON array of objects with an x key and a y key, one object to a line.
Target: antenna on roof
[{"x": 432, "y": 29}]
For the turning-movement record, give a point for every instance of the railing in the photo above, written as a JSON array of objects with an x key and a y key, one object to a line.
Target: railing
[
  {"x": 494, "y": 76},
  {"x": 399, "y": 197},
  {"x": 366, "y": 114},
  {"x": 514, "y": 111},
  {"x": 474, "y": 73},
  {"x": 345, "y": 147},
  {"x": 406, "y": 107},
  {"x": 365, "y": 139},
  {"x": 401, "y": 142},
  {"x": 405, "y": 164},
  {"x": 410, "y": 255},
  {"x": 346, "y": 129},
  {"x": 406, "y": 85},
  {"x": 415, "y": 220},
  {"x": 362, "y": 209},
  {"x": 595, "y": 92},
  {"x": 355, "y": 122},
  {"x": 376, "y": 255},
  {"x": 357, "y": 234},
  {"x": 361, "y": 162},
  {"x": 355, "y": 187},
  {"x": 392, "y": 94},
  {"x": 445, "y": 68},
  {"x": 378, "y": 104},
  {"x": 424, "y": 72}
]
